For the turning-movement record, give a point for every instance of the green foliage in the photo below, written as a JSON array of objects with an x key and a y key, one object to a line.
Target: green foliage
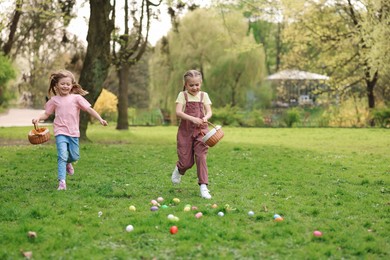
[
  {"x": 232, "y": 63},
  {"x": 145, "y": 117},
  {"x": 341, "y": 190},
  {"x": 7, "y": 72},
  {"x": 292, "y": 116},
  {"x": 382, "y": 116},
  {"x": 340, "y": 39},
  {"x": 233, "y": 116}
]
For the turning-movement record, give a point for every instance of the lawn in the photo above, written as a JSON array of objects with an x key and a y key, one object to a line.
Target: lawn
[{"x": 332, "y": 180}]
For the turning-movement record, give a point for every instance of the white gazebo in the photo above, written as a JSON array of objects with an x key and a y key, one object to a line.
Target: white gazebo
[{"x": 296, "y": 86}]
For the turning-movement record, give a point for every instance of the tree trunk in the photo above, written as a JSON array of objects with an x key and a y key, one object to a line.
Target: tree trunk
[
  {"x": 123, "y": 121},
  {"x": 14, "y": 25},
  {"x": 97, "y": 59},
  {"x": 370, "y": 83}
]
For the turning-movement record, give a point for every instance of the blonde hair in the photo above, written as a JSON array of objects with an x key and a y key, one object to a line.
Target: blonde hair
[
  {"x": 191, "y": 74},
  {"x": 55, "y": 77}
]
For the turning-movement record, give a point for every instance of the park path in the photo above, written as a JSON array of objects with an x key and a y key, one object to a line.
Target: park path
[{"x": 19, "y": 117}]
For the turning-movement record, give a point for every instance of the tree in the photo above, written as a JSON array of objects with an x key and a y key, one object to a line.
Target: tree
[
  {"x": 97, "y": 59},
  {"x": 7, "y": 46},
  {"x": 216, "y": 43},
  {"x": 32, "y": 33},
  {"x": 132, "y": 47},
  {"x": 340, "y": 37}
]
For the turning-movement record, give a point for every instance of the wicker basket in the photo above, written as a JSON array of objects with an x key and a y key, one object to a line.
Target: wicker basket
[
  {"x": 213, "y": 136},
  {"x": 39, "y": 135}
]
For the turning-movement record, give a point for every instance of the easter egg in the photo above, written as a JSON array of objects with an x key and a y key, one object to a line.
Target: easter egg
[
  {"x": 129, "y": 228},
  {"x": 251, "y": 213},
  {"x": 176, "y": 200},
  {"x": 187, "y": 209},
  {"x": 170, "y": 216},
  {"x": 164, "y": 206},
  {"x": 194, "y": 208},
  {"x": 276, "y": 216},
  {"x": 199, "y": 215},
  {"x": 317, "y": 233},
  {"x": 221, "y": 214},
  {"x": 154, "y": 202},
  {"x": 160, "y": 199},
  {"x": 132, "y": 208},
  {"x": 173, "y": 230},
  {"x": 214, "y": 206},
  {"x": 280, "y": 219},
  {"x": 153, "y": 208}
]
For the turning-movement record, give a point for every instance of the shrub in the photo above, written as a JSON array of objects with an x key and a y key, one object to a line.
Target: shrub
[
  {"x": 227, "y": 116},
  {"x": 382, "y": 116},
  {"x": 7, "y": 73},
  {"x": 106, "y": 105},
  {"x": 291, "y": 116},
  {"x": 252, "y": 119}
]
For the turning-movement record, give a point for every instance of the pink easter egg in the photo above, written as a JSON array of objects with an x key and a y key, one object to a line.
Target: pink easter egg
[{"x": 317, "y": 233}]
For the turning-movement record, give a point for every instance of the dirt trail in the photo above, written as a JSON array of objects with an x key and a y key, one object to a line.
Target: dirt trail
[{"x": 18, "y": 117}]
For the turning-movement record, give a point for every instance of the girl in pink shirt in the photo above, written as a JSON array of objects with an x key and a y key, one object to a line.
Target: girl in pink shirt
[{"x": 66, "y": 102}]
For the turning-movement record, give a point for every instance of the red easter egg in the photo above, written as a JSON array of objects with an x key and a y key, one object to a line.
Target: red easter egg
[{"x": 173, "y": 230}]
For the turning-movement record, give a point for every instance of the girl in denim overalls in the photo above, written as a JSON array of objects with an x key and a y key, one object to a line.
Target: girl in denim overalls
[{"x": 193, "y": 107}]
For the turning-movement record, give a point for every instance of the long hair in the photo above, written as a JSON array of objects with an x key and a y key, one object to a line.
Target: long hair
[
  {"x": 55, "y": 77},
  {"x": 191, "y": 74}
]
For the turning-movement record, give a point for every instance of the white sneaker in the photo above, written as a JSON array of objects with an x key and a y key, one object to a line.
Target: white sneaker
[
  {"x": 176, "y": 176},
  {"x": 204, "y": 192}
]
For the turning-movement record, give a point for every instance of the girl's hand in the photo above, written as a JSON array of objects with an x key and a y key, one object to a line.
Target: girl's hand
[
  {"x": 103, "y": 122},
  {"x": 197, "y": 121},
  {"x": 35, "y": 121}
]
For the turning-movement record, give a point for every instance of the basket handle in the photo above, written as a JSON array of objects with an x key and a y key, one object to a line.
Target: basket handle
[
  {"x": 211, "y": 124},
  {"x": 36, "y": 126}
]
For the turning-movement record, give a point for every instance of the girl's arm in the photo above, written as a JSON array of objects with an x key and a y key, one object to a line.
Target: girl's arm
[
  {"x": 96, "y": 115},
  {"x": 43, "y": 116},
  {"x": 208, "y": 114},
  {"x": 180, "y": 114}
]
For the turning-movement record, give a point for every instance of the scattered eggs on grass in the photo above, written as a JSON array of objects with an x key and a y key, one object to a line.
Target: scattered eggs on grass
[
  {"x": 221, "y": 214},
  {"x": 132, "y": 208},
  {"x": 317, "y": 233},
  {"x": 251, "y": 213}
]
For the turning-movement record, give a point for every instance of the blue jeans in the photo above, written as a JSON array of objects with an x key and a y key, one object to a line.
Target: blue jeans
[{"x": 67, "y": 152}]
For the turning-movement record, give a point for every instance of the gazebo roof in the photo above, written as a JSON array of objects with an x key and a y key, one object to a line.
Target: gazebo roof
[{"x": 296, "y": 75}]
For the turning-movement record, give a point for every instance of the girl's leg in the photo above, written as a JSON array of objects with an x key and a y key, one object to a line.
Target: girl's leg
[
  {"x": 62, "y": 156},
  {"x": 201, "y": 150},
  {"x": 74, "y": 150},
  {"x": 185, "y": 153}
]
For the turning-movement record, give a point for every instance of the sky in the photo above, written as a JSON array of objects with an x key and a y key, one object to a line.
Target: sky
[{"x": 79, "y": 25}]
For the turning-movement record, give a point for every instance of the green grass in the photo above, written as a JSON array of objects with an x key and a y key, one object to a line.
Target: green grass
[{"x": 332, "y": 180}]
